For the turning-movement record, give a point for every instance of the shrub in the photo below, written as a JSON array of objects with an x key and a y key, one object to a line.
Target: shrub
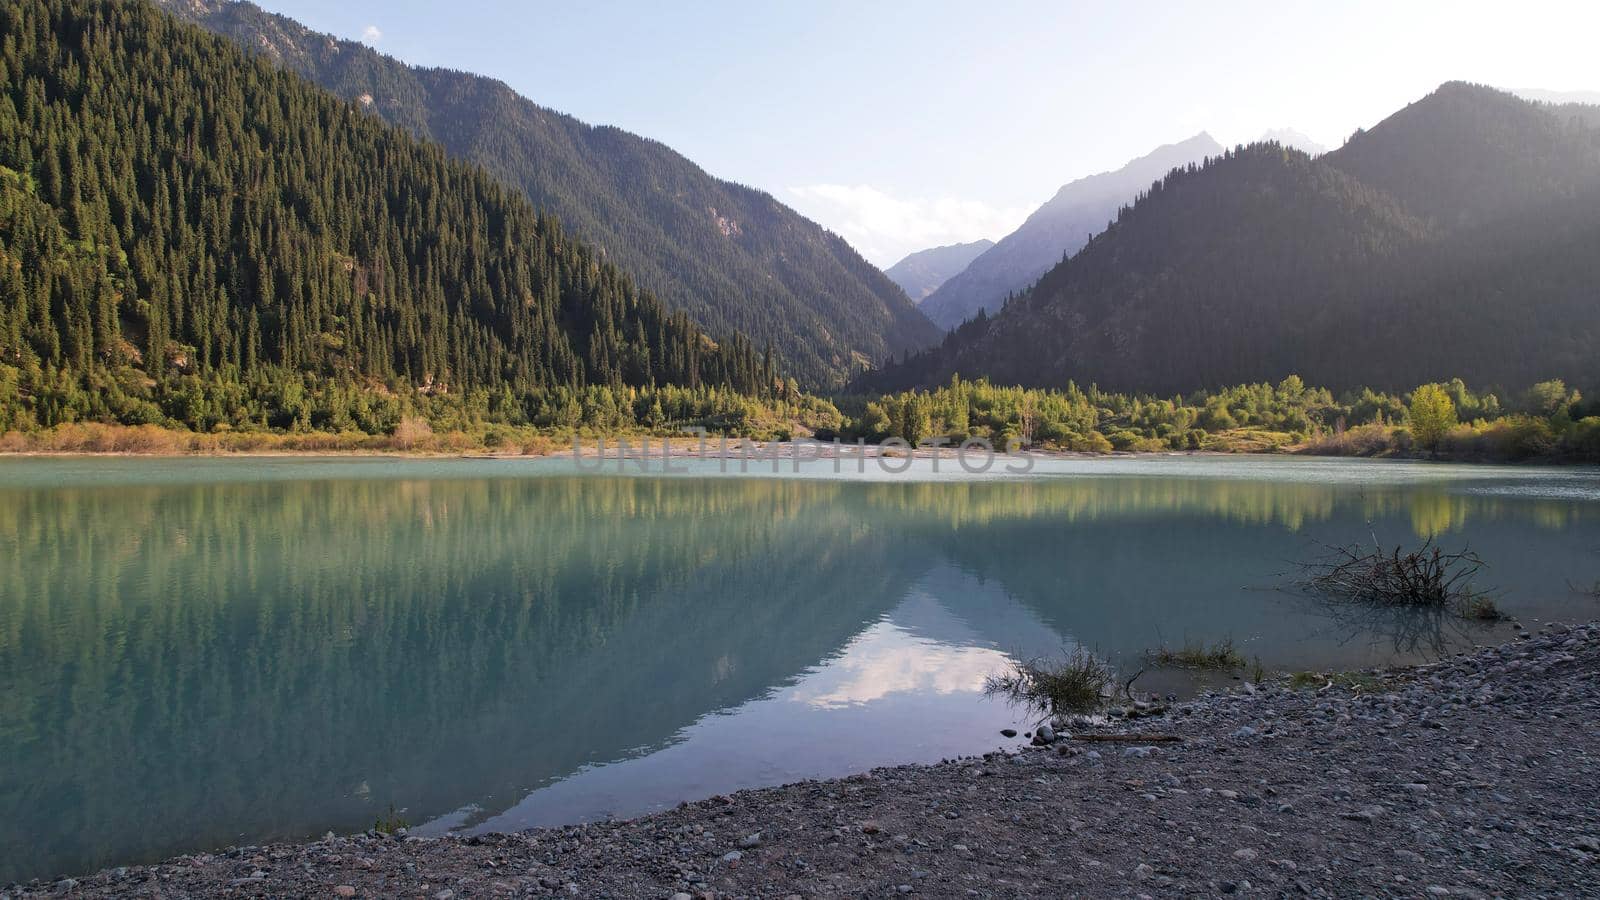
[
  {"x": 1220, "y": 655},
  {"x": 1076, "y": 684},
  {"x": 412, "y": 433},
  {"x": 1582, "y": 440},
  {"x": 1363, "y": 440}
]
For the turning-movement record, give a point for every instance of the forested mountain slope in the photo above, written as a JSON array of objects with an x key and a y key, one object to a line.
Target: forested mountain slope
[
  {"x": 1467, "y": 155},
  {"x": 732, "y": 257},
  {"x": 1455, "y": 238},
  {"x": 190, "y": 233},
  {"x": 1055, "y": 231}
]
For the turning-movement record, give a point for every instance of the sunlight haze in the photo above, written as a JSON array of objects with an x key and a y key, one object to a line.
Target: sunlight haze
[{"x": 903, "y": 126}]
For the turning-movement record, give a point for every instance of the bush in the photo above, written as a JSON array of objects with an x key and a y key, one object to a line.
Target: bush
[
  {"x": 1220, "y": 655},
  {"x": 1093, "y": 442},
  {"x": 412, "y": 433},
  {"x": 1582, "y": 440},
  {"x": 1363, "y": 440},
  {"x": 1079, "y": 683},
  {"x": 1511, "y": 438}
]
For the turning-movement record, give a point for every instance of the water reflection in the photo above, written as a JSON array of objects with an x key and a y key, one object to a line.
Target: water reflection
[
  {"x": 196, "y": 653},
  {"x": 892, "y": 694}
]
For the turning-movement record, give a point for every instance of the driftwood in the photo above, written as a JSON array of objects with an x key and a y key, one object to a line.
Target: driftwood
[
  {"x": 1130, "y": 738},
  {"x": 1426, "y": 577}
]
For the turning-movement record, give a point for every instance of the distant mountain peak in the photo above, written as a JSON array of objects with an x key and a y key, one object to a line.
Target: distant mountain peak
[
  {"x": 1298, "y": 140},
  {"x": 1057, "y": 230},
  {"x": 1558, "y": 98},
  {"x": 921, "y": 273},
  {"x": 1454, "y": 238}
]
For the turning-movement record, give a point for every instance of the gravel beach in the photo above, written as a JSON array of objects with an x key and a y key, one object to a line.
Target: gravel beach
[{"x": 1475, "y": 776}]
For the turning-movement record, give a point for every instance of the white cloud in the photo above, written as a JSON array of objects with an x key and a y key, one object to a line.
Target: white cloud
[
  {"x": 371, "y": 34},
  {"x": 885, "y": 228},
  {"x": 886, "y": 659}
]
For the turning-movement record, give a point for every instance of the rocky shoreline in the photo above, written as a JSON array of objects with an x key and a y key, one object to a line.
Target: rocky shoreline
[{"x": 1476, "y": 776}]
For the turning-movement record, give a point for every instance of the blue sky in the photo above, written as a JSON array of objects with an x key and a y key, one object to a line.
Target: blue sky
[{"x": 903, "y": 125}]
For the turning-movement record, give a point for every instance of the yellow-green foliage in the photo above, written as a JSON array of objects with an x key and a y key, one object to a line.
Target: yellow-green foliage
[
  {"x": 1432, "y": 414},
  {"x": 1549, "y": 421}
]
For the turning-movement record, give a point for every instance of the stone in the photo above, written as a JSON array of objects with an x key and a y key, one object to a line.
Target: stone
[
  {"x": 1245, "y": 854},
  {"x": 1144, "y": 871},
  {"x": 345, "y": 890},
  {"x": 750, "y": 840}
]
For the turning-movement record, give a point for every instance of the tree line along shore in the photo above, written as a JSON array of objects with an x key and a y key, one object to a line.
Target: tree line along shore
[{"x": 1548, "y": 421}]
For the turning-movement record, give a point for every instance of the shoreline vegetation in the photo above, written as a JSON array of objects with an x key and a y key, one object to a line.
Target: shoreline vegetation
[{"x": 1547, "y": 423}]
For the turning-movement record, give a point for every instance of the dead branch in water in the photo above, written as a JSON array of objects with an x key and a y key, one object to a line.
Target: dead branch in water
[{"x": 1424, "y": 578}]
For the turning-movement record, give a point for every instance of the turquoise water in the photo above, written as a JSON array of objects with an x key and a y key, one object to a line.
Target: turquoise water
[{"x": 203, "y": 652}]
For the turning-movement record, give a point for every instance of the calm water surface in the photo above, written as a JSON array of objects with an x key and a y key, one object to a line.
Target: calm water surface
[{"x": 203, "y": 652}]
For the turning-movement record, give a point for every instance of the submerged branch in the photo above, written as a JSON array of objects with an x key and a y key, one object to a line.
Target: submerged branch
[{"x": 1426, "y": 578}]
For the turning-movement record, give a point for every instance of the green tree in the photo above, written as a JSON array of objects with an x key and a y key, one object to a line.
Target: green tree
[{"x": 1432, "y": 414}]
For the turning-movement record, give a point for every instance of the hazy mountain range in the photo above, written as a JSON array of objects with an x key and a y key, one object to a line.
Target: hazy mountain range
[
  {"x": 731, "y": 256},
  {"x": 1055, "y": 230},
  {"x": 921, "y": 273},
  {"x": 1540, "y": 95},
  {"x": 1458, "y": 236}
]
